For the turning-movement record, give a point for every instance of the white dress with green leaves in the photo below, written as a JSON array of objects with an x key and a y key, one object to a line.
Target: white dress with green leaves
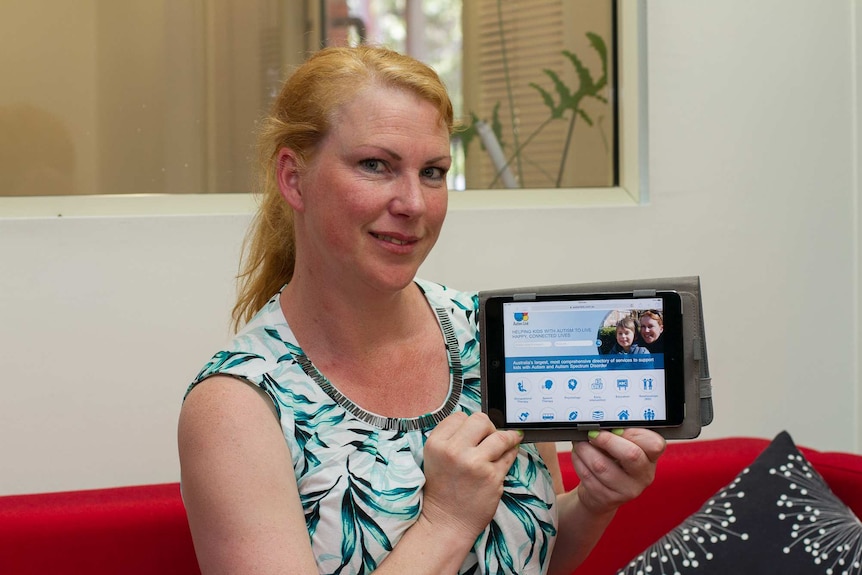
[{"x": 359, "y": 474}]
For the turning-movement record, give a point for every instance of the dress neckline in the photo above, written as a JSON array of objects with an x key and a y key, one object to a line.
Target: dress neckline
[{"x": 427, "y": 421}]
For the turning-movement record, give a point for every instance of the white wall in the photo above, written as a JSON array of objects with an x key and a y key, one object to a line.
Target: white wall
[{"x": 104, "y": 319}]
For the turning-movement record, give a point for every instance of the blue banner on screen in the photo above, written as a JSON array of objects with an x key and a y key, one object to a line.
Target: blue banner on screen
[
  {"x": 552, "y": 363},
  {"x": 581, "y": 361}
]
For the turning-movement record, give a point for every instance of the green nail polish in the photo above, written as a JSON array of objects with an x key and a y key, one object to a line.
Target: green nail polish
[
  {"x": 617, "y": 431},
  {"x": 593, "y": 434}
]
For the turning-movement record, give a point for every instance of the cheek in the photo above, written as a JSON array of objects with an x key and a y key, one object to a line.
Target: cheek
[{"x": 437, "y": 206}]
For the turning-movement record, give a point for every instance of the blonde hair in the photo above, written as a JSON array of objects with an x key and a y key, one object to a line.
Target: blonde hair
[
  {"x": 300, "y": 118},
  {"x": 628, "y": 323}
]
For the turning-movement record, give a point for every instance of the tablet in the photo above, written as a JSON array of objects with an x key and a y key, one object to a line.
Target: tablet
[{"x": 558, "y": 365}]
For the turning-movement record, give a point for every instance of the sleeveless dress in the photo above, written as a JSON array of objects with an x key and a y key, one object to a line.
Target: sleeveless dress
[{"x": 359, "y": 474}]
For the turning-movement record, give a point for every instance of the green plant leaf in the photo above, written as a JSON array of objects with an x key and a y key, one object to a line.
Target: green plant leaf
[
  {"x": 562, "y": 90},
  {"x": 497, "y": 125},
  {"x": 468, "y": 133},
  {"x": 586, "y": 79},
  {"x": 598, "y": 43},
  {"x": 546, "y": 96}
]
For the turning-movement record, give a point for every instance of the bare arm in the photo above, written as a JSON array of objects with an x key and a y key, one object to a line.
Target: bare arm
[
  {"x": 613, "y": 469},
  {"x": 243, "y": 504},
  {"x": 238, "y": 483}
]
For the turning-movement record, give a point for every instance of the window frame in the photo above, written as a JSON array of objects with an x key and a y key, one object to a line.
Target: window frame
[{"x": 632, "y": 190}]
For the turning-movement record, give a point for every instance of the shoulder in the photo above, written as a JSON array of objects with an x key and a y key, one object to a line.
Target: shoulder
[
  {"x": 458, "y": 313},
  {"x": 461, "y": 307},
  {"x": 439, "y": 295},
  {"x": 257, "y": 349}
]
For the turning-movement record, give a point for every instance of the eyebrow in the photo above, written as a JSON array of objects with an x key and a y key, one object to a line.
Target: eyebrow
[{"x": 398, "y": 157}]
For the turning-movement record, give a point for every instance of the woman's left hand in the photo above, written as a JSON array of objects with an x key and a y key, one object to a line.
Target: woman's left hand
[{"x": 615, "y": 468}]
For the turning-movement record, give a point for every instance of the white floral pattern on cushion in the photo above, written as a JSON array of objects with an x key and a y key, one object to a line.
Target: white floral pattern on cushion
[{"x": 777, "y": 516}]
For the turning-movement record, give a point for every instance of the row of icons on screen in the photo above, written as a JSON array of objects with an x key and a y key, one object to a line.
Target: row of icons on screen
[
  {"x": 623, "y": 414},
  {"x": 597, "y": 384}
]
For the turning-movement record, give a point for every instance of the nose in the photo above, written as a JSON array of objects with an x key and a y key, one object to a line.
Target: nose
[{"x": 409, "y": 197}]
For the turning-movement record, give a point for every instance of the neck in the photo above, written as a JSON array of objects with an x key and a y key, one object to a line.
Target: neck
[{"x": 349, "y": 319}]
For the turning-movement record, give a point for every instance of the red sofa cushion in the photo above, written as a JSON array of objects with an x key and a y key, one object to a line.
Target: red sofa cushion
[
  {"x": 131, "y": 530},
  {"x": 686, "y": 476},
  {"x": 143, "y": 529}
]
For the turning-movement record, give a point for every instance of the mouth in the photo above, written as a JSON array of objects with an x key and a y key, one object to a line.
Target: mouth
[{"x": 392, "y": 239}]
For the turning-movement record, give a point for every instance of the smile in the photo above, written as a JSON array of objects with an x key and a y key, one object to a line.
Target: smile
[{"x": 390, "y": 239}]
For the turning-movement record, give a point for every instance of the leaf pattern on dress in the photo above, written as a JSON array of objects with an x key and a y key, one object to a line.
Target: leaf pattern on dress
[
  {"x": 226, "y": 360},
  {"x": 360, "y": 504},
  {"x": 360, "y": 478},
  {"x": 357, "y": 524},
  {"x": 311, "y": 503},
  {"x": 473, "y": 391},
  {"x": 309, "y": 440},
  {"x": 527, "y": 507},
  {"x": 498, "y": 559}
]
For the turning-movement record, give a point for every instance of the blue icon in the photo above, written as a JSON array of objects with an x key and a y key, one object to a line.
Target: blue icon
[
  {"x": 598, "y": 384},
  {"x": 573, "y": 384},
  {"x": 573, "y": 415},
  {"x": 549, "y": 383},
  {"x": 524, "y": 415},
  {"x": 548, "y": 416},
  {"x": 648, "y": 384},
  {"x": 623, "y": 415},
  {"x": 598, "y": 343},
  {"x": 622, "y": 384},
  {"x": 597, "y": 414},
  {"x": 521, "y": 387},
  {"x": 649, "y": 414}
]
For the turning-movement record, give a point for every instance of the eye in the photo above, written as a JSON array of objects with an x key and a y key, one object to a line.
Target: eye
[
  {"x": 433, "y": 173},
  {"x": 373, "y": 165}
]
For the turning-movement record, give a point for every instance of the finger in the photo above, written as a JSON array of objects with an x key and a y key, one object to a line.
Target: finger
[
  {"x": 501, "y": 445},
  {"x": 628, "y": 454},
  {"x": 508, "y": 458},
  {"x": 474, "y": 429},
  {"x": 594, "y": 464},
  {"x": 604, "y": 485},
  {"x": 478, "y": 428},
  {"x": 450, "y": 425},
  {"x": 652, "y": 444}
]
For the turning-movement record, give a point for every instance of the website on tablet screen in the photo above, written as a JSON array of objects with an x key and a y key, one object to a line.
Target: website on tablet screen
[{"x": 582, "y": 361}]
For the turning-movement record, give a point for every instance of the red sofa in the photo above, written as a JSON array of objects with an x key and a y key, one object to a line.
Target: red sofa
[
  {"x": 143, "y": 529},
  {"x": 687, "y": 475}
]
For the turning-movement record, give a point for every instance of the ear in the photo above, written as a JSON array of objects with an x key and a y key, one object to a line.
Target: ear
[{"x": 289, "y": 178}]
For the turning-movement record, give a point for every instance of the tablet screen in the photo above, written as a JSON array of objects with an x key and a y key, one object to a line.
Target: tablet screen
[{"x": 590, "y": 361}]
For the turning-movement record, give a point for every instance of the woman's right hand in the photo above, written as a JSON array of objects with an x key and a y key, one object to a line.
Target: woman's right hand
[{"x": 466, "y": 461}]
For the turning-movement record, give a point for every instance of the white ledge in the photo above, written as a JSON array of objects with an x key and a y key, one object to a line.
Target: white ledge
[{"x": 130, "y": 205}]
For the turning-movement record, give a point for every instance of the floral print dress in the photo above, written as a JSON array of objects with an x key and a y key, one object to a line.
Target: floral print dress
[{"x": 359, "y": 474}]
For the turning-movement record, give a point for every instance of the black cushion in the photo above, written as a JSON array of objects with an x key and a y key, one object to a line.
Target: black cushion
[{"x": 777, "y": 516}]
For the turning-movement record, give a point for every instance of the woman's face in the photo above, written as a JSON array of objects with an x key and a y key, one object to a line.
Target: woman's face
[
  {"x": 372, "y": 201},
  {"x": 650, "y": 329}
]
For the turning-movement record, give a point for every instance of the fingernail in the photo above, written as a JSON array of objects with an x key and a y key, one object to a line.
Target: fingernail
[
  {"x": 617, "y": 431},
  {"x": 520, "y": 432},
  {"x": 593, "y": 434}
]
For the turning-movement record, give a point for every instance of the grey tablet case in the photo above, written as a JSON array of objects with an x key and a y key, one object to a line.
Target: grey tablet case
[{"x": 698, "y": 385}]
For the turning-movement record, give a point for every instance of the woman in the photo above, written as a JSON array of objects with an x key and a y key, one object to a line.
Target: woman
[
  {"x": 359, "y": 444},
  {"x": 651, "y": 329}
]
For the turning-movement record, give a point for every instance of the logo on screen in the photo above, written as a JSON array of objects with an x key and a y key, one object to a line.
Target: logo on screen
[{"x": 521, "y": 317}]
